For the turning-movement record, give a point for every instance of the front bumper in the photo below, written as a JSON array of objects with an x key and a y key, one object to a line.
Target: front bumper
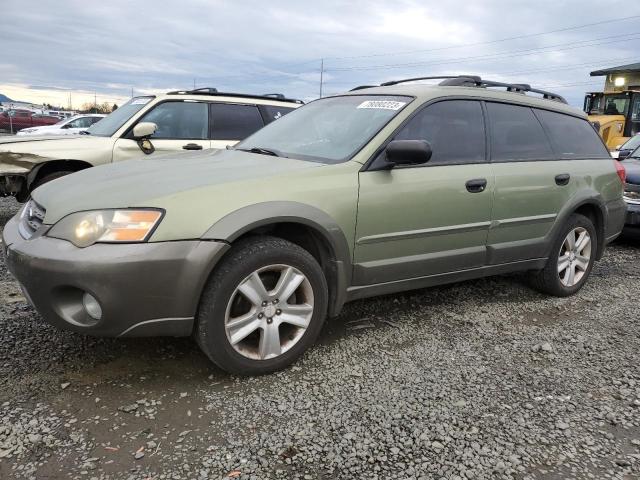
[{"x": 146, "y": 289}]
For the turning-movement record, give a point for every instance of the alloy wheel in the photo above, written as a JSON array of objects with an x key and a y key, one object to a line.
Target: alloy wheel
[
  {"x": 269, "y": 312},
  {"x": 574, "y": 257}
]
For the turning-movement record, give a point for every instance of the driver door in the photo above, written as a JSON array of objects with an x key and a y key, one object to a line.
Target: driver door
[
  {"x": 430, "y": 219},
  {"x": 182, "y": 126}
]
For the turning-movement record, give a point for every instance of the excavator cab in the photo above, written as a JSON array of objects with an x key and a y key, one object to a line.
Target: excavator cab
[{"x": 615, "y": 112}]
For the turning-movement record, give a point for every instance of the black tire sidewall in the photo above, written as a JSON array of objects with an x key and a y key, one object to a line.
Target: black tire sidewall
[
  {"x": 48, "y": 178},
  {"x": 245, "y": 259}
]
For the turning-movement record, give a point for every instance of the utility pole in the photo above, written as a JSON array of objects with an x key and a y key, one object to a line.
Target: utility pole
[
  {"x": 321, "y": 74},
  {"x": 194, "y": 83},
  {"x": 95, "y": 102},
  {"x": 131, "y": 92}
]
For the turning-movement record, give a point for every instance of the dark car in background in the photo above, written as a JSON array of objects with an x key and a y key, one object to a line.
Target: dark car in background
[
  {"x": 632, "y": 188},
  {"x": 627, "y": 148}
]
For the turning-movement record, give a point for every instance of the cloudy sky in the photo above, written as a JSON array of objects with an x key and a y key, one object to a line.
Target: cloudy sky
[{"x": 50, "y": 48}]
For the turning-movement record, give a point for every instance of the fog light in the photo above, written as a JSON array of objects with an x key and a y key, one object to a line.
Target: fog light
[{"x": 91, "y": 305}]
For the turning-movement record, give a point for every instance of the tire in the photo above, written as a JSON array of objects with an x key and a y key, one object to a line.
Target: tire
[
  {"x": 47, "y": 178},
  {"x": 554, "y": 281},
  {"x": 275, "y": 264}
]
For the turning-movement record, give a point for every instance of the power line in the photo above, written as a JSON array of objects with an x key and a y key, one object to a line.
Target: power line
[
  {"x": 604, "y": 61},
  {"x": 508, "y": 54},
  {"x": 488, "y": 42}
]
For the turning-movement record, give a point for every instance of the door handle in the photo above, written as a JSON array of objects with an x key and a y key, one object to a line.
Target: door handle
[
  {"x": 562, "y": 179},
  {"x": 476, "y": 185},
  {"x": 192, "y": 146}
]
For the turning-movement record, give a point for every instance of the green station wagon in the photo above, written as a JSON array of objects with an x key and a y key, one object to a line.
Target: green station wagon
[{"x": 376, "y": 191}]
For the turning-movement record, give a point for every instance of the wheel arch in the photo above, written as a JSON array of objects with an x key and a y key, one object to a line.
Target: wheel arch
[
  {"x": 591, "y": 206},
  {"x": 305, "y": 225},
  {"x": 46, "y": 168}
]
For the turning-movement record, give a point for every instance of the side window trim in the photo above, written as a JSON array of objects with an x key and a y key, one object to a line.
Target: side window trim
[
  {"x": 128, "y": 134},
  {"x": 375, "y": 157},
  {"x": 517, "y": 160}
]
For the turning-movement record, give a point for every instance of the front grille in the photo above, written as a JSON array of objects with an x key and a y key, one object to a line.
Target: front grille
[{"x": 31, "y": 219}]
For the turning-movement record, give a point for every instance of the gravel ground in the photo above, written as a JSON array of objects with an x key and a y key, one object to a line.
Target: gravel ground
[{"x": 483, "y": 379}]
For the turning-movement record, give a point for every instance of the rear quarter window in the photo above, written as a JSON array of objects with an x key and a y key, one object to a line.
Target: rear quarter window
[
  {"x": 274, "y": 113},
  {"x": 572, "y": 137}
]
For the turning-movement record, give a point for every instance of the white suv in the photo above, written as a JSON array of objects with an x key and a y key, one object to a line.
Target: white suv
[{"x": 143, "y": 127}]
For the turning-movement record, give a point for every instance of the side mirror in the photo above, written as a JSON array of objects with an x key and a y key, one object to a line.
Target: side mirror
[
  {"x": 144, "y": 130},
  {"x": 622, "y": 154},
  {"x": 408, "y": 152}
]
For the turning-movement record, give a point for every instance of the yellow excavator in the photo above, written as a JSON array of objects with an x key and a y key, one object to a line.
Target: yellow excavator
[{"x": 615, "y": 112}]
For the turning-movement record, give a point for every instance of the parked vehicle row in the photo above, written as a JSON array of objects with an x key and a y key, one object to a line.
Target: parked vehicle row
[
  {"x": 15, "y": 120},
  {"x": 248, "y": 249}
]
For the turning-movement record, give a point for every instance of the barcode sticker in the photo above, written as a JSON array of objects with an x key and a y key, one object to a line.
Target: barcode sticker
[{"x": 382, "y": 104}]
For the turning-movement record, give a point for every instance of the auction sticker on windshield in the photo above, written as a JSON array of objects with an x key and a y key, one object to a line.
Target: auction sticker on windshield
[
  {"x": 382, "y": 104},
  {"x": 141, "y": 101}
]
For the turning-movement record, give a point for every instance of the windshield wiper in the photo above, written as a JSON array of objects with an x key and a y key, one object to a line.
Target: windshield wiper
[
  {"x": 84, "y": 132},
  {"x": 263, "y": 151}
]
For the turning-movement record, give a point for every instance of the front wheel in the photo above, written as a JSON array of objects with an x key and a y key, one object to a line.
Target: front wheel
[
  {"x": 571, "y": 260},
  {"x": 264, "y": 305}
]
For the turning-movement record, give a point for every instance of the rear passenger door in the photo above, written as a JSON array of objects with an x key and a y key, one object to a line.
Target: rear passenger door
[
  {"x": 232, "y": 122},
  {"x": 424, "y": 220},
  {"x": 536, "y": 156}
]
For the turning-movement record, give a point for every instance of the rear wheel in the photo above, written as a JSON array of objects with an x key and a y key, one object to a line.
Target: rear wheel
[
  {"x": 263, "y": 307},
  {"x": 571, "y": 260}
]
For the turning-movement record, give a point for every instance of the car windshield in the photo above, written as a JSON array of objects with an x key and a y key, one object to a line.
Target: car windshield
[
  {"x": 330, "y": 130},
  {"x": 632, "y": 143},
  {"x": 112, "y": 122}
]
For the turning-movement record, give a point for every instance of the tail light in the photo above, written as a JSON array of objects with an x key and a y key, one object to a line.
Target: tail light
[{"x": 622, "y": 173}]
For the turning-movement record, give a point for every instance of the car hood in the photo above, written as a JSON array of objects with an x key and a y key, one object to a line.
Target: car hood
[
  {"x": 50, "y": 145},
  {"x": 159, "y": 181},
  {"x": 18, "y": 154},
  {"x": 632, "y": 167}
]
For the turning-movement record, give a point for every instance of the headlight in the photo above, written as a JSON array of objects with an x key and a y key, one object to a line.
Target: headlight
[{"x": 106, "y": 226}]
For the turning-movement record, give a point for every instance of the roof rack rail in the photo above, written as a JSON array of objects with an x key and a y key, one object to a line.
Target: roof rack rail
[
  {"x": 214, "y": 92},
  {"x": 476, "y": 81}
]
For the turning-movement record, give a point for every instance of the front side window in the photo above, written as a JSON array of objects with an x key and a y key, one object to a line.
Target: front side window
[
  {"x": 234, "y": 121},
  {"x": 329, "y": 130},
  {"x": 116, "y": 119},
  {"x": 516, "y": 134},
  {"x": 453, "y": 128},
  {"x": 179, "y": 120},
  {"x": 572, "y": 137}
]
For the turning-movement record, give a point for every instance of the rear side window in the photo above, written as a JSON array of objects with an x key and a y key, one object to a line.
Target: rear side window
[
  {"x": 516, "y": 134},
  {"x": 572, "y": 137},
  {"x": 234, "y": 122},
  {"x": 274, "y": 113},
  {"x": 454, "y": 128}
]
